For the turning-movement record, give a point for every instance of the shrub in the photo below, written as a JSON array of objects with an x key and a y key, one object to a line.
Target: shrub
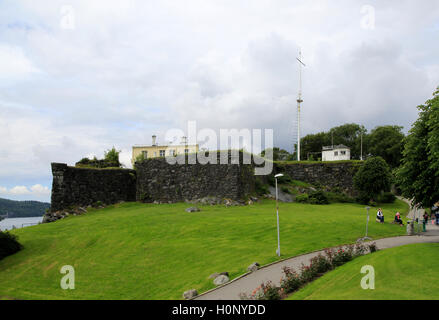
[
  {"x": 340, "y": 257},
  {"x": 266, "y": 291},
  {"x": 339, "y": 197},
  {"x": 372, "y": 203},
  {"x": 302, "y": 198},
  {"x": 291, "y": 281},
  {"x": 271, "y": 181},
  {"x": 286, "y": 190},
  {"x": 112, "y": 155},
  {"x": 8, "y": 244},
  {"x": 260, "y": 188},
  {"x": 386, "y": 197},
  {"x": 359, "y": 250},
  {"x": 98, "y": 204},
  {"x": 372, "y": 247},
  {"x": 286, "y": 179},
  {"x": 307, "y": 274},
  {"x": 318, "y": 197},
  {"x": 320, "y": 264}
]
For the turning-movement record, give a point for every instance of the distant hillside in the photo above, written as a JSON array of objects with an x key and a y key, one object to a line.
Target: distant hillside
[{"x": 19, "y": 209}]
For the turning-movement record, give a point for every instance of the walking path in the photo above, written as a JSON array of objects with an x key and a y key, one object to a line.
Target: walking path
[{"x": 248, "y": 282}]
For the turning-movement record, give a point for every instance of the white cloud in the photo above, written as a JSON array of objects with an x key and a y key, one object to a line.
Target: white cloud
[
  {"x": 35, "y": 190},
  {"x": 19, "y": 190},
  {"x": 14, "y": 65},
  {"x": 38, "y": 189}
]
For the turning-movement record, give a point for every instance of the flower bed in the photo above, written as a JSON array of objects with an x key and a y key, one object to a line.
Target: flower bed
[{"x": 293, "y": 280}]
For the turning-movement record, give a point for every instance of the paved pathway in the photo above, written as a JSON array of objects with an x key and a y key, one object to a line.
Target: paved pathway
[{"x": 249, "y": 282}]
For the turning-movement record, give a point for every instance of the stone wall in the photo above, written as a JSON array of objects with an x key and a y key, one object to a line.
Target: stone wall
[
  {"x": 331, "y": 174},
  {"x": 157, "y": 180},
  {"x": 84, "y": 186}
]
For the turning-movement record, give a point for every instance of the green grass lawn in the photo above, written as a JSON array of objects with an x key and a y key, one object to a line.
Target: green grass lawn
[
  {"x": 146, "y": 251},
  {"x": 402, "y": 273}
]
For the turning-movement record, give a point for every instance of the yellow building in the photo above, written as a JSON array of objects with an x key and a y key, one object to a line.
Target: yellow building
[{"x": 155, "y": 150}]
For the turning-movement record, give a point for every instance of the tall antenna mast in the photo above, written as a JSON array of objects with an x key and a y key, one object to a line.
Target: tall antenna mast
[{"x": 299, "y": 101}]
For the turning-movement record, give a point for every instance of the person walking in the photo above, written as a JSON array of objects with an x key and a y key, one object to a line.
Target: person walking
[{"x": 424, "y": 223}]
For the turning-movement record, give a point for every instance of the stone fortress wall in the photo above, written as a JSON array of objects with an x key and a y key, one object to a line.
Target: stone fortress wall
[{"x": 155, "y": 180}]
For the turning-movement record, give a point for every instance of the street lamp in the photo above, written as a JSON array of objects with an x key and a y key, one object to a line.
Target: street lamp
[
  {"x": 277, "y": 213},
  {"x": 367, "y": 226}
]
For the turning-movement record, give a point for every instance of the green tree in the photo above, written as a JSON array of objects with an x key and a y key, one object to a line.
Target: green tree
[
  {"x": 278, "y": 154},
  {"x": 112, "y": 156},
  {"x": 350, "y": 135},
  {"x": 372, "y": 178},
  {"x": 418, "y": 176},
  {"x": 311, "y": 145},
  {"x": 386, "y": 142}
]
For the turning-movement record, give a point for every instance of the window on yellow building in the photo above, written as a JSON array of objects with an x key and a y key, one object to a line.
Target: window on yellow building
[{"x": 162, "y": 153}]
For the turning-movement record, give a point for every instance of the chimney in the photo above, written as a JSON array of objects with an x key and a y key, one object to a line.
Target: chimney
[{"x": 154, "y": 140}]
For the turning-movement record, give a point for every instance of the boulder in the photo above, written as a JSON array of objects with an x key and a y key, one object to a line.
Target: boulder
[
  {"x": 220, "y": 280},
  {"x": 190, "y": 294},
  {"x": 253, "y": 267},
  {"x": 214, "y": 275},
  {"x": 193, "y": 209},
  {"x": 224, "y": 274}
]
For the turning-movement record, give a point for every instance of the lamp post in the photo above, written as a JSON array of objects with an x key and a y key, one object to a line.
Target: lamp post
[
  {"x": 367, "y": 223},
  {"x": 277, "y": 213},
  {"x": 367, "y": 227}
]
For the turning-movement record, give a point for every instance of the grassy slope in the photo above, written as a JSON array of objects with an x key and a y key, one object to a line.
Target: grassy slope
[
  {"x": 145, "y": 251},
  {"x": 402, "y": 273}
]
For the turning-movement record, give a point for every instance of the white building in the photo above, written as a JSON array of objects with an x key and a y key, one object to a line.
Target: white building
[{"x": 336, "y": 153}]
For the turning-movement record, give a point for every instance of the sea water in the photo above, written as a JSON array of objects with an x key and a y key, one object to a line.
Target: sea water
[{"x": 8, "y": 224}]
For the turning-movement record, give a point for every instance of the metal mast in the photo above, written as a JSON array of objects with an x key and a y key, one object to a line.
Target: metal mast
[{"x": 299, "y": 101}]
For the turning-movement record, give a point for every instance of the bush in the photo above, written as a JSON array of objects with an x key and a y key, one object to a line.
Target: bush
[
  {"x": 302, "y": 198},
  {"x": 373, "y": 247},
  {"x": 112, "y": 155},
  {"x": 8, "y": 244},
  {"x": 318, "y": 197},
  {"x": 386, "y": 197},
  {"x": 260, "y": 188},
  {"x": 266, "y": 291},
  {"x": 320, "y": 264},
  {"x": 339, "y": 197},
  {"x": 307, "y": 274},
  {"x": 286, "y": 190},
  {"x": 286, "y": 179},
  {"x": 271, "y": 181},
  {"x": 291, "y": 281}
]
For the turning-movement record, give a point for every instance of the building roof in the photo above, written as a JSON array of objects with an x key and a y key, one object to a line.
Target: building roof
[{"x": 338, "y": 147}]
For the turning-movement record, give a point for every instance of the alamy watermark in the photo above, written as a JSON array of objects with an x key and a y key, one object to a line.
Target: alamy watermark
[
  {"x": 68, "y": 281},
  {"x": 68, "y": 18},
  {"x": 368, "y": 19},
  {"x": 368, "y": 281},
  {"x": 229, "y": 144}
]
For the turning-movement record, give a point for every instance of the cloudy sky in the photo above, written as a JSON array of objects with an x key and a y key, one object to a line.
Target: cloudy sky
[{"x": 78, "y": 77}]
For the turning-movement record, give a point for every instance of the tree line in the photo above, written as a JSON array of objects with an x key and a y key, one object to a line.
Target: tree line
[
  {"x": 21, "y": 209},
  {"x": 383, "y": 141}
]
